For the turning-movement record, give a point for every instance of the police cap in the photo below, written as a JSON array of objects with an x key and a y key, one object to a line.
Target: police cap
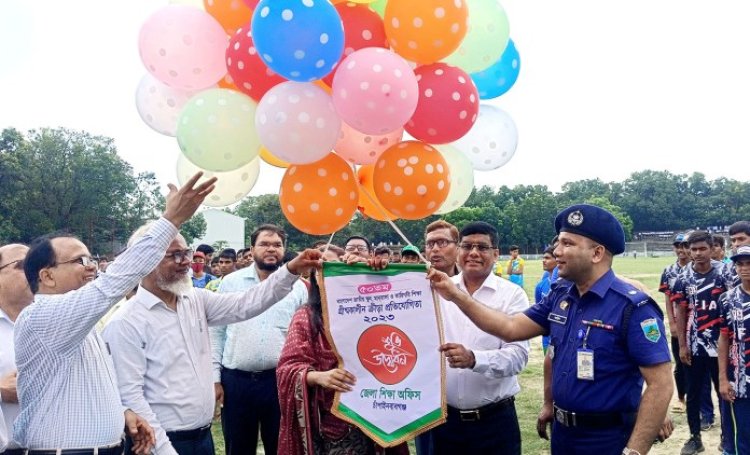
[{"x": 592, "y": 222}]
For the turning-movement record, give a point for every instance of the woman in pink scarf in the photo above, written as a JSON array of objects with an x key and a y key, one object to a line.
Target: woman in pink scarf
[{"x": 307, "y": 377}]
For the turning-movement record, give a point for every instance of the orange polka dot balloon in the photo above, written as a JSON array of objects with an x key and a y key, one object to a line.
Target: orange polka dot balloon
[
  {"x": 319, "y": 198},
  {"x": 425, "y": 31},
  {"x": 411, "y": 180},
  {"x": 370, "y": 206},
  {"x": 231, "y": 14}
]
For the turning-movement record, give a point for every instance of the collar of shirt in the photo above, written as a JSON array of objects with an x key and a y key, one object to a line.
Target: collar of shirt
[
  {"x": 489, "y": 282},
  {"x": 147, "y": 299},
  {"x": 600, "y": 287}
]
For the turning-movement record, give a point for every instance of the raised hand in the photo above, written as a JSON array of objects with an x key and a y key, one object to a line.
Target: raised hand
[
  {"x": 183, "y": 202},
  {"x": 305, "y": 262}
]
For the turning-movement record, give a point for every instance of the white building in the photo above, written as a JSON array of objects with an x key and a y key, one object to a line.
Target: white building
[{"x": 222, "y": 226}]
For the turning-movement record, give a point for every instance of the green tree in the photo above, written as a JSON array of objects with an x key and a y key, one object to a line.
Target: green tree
[{"x": 194, "y": 228}]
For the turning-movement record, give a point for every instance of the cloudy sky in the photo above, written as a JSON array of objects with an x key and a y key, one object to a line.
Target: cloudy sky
[{"x": 606, "y": 87}]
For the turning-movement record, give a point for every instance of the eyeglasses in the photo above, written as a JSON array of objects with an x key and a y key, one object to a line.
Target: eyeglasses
[
  {"x": 17, "y": 262},
  {"x": 266, "y": 245},
  {"x": 440, "y": 243},
  {"x": 180, "y": 255},
  {"x": 353, "y": 248},
  {"x": 481, "y": 247},
  {"x": 86, "y": 261}
]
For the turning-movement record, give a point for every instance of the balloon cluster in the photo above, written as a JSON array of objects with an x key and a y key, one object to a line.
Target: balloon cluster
[{"x": 328, "y": 91}]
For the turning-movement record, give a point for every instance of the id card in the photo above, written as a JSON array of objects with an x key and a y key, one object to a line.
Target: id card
[{"x": 586, "y": 364}]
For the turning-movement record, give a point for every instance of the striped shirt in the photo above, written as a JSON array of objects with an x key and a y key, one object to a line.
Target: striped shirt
[{"x": 66, "y": 382}]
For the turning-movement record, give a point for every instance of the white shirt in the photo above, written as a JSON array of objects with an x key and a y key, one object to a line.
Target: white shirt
[
  {"x": 255, "y": 344},
  {"x": 7, "y": 366},
  {"x": 3, "y": 432},
  {"x": 493, "y": 377},
  {"x": 66, "y": 382},
  {"x": 163, "y": 358}
]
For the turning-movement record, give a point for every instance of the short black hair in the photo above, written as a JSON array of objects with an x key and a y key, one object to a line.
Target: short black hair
[
  {"x": 718, "y": 240},
  {"x": 241, "y": 251},
  {"x": 514, "y": 247},
  {"x": 205, "y": 249},
  {"x": 41, "y": 255},
  {"x": 382, "y": 249},
  {"x": 549, "y": 250},
  {"x": 740, "y": 227},
  {"x": 367, "y": 242},
  {"x": 288, "y": 256},
  {"x": 268, "y": 228},
  {"x": 215, "y": 260},
  {"x": 699, "y": 236},
  {"x": 228, "y": 253},
  {"x": 480, "y": 227}
]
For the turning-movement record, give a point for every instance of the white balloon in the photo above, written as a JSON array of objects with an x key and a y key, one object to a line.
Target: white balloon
[
  {"x": 462, "y": 178},
  {"x": 231, "y": 186},
  {"x": 160, "y": 105},
  {"x": 492, "y": 141}
]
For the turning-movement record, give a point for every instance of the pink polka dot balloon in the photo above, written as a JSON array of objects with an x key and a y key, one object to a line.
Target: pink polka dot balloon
[
  {"x": 448, "y": 104},
  {"x": 362, "y": 28},
  {"x": 375, "y": 91},
  {"x": 361, "y": 148},
  {"x": 183, "y": 47},
  {"x": 296, "y": 122},
  {"x": 249, "y": 74}
]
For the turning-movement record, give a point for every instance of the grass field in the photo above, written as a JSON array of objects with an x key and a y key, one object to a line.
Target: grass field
[{"x": 646, "y": 270}]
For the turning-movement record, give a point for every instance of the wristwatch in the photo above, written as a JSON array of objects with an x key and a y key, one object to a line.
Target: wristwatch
[{"x": 629, "y": 451}]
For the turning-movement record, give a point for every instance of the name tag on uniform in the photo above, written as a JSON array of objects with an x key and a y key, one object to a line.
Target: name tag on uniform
[
  {"x": 558, "y": 318},
  {"x": 586, "y": 364}
]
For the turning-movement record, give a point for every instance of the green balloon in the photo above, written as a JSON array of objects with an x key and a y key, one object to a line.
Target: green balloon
[
  {"x": 486, "y": 38},
  {"x": 216, "y": 130},
  {"x": 379, "y": 7}
]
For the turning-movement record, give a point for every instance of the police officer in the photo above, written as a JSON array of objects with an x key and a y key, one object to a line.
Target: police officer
[{"x": 606, "y": 338}]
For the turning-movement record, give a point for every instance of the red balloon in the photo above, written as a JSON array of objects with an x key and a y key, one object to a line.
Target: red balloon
[
  {"x": 448, "y": 104},
  {"x": 362, "y": 28},
  {"x": 251, "y": 3},
  {"x": 251, "y": 76}
]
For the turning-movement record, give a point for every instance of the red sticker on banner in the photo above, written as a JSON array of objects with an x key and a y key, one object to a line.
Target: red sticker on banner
[{"x": 387, "y": 353}]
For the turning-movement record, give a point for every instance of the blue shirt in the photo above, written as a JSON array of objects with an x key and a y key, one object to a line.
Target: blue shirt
[
  {"x": 201, "y": 283},
  {"x": 617, "y": 383},
  {"x": 542, "y": 287},
  {"x": 66, "y": 381},
  {"x": 255, "y": 344}
]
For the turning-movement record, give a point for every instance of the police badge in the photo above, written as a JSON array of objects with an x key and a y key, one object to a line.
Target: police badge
[{"x": 575, "y": 218}]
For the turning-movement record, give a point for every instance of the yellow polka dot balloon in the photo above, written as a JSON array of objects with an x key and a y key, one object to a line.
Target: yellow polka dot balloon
[
  {"x": 425, "y": 31},
  {"x": 411, "y": 179},
  {"x": 319, "y": 198}
]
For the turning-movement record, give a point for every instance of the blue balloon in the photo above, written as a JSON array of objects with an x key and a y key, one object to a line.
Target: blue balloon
[
  {"x": 500, "y": 77},
  {"x": 301, "y": 40}
]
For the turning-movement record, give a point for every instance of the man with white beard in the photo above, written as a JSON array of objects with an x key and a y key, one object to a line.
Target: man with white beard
[{"x": 161, "y": 349}]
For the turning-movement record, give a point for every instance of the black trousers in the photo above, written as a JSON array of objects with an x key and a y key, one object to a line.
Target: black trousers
[
  {"x": 497, "y": 433},
  {"x": 251, "y": 400},
  {"x": 696, "y": 380}
]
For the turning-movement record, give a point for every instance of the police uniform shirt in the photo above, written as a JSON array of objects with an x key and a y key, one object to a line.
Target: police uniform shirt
[
  {"x": 735, "y": 324},
  {"x": 617, "y": 383},
  {"x": 699, "y": 293}
]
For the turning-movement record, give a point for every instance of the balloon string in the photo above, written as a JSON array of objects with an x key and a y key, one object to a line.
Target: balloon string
[
  {"x": 328, "y": 245},
  {"x": 393, "y": 225}
]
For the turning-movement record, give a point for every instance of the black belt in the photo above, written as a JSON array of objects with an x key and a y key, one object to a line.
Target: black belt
[
  {"x": 250, "y": 374},
  {"x": 189, "y": 435},
  {"x": 472, "y": 415},
  {"x": 593, "y": 420},
  {"x": 109, "y": 450}
]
